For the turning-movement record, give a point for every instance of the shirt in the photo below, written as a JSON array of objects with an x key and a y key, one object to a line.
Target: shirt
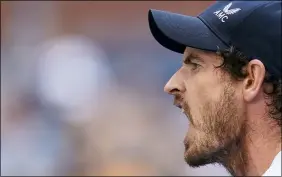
[{"x": 275, "y": 167}]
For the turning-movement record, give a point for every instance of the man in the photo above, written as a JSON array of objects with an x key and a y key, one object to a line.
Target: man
[{"x": 229, "y": 85}]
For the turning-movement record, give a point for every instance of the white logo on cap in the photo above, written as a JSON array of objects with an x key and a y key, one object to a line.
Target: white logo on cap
[{"x": 223, "y": 14}]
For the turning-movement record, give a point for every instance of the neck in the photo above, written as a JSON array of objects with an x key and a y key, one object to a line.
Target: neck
[{"x": 253, "y": 154}]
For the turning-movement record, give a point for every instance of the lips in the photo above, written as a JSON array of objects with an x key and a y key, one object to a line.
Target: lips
[
  {"x": 180, "y": 107},
  {"x": 178, "y": 102}
]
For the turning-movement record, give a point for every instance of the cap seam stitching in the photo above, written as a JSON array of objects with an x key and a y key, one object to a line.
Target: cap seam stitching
[{"x": 255, "y": 9}]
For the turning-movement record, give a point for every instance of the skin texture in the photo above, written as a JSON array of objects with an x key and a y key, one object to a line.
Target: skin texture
[{"x": 228, "y": 119}]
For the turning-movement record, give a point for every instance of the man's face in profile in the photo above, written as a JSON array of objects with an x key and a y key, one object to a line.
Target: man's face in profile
[{"x": 213, "y": 104}]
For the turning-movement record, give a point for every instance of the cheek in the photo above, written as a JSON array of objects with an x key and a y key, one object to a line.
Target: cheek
[
  {"x": 198, "y": 93},
  {"x": 202, "y": 92}
]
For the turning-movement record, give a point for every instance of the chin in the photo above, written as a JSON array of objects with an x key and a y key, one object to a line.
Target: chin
[
  {"x": 202, "y": 153},
  {"x": 197, "y": 159}
]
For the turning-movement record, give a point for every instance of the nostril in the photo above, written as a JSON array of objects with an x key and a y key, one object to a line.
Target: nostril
[
  {"x": 170, "y": 90},
  {"x": 174, "y": 91}
]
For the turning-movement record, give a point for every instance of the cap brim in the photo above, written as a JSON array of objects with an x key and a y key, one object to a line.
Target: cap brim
[{"x": 176, "y": 32}]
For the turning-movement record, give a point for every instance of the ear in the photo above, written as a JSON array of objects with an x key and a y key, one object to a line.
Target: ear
[{"x": 253, "y": 82}]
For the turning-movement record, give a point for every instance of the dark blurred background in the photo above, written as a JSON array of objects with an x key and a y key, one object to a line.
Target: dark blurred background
[{"x": 82, "y": 91}]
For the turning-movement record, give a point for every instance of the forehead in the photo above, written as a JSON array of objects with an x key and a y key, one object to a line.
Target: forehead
[{"x": 206, "y": 56}]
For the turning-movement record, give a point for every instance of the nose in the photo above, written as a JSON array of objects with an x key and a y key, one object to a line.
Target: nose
[{"x": 175, "y": 84}]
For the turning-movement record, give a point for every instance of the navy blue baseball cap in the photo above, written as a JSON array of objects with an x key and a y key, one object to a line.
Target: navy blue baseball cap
[{"x": 253, "y": 27}]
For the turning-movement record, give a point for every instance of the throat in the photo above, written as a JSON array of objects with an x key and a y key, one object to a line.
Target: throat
[
  {"x": 234, "y": 158},
  {"x": 248, "y": 157}
]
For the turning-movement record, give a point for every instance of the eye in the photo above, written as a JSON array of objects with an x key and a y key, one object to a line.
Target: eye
[
  {"x": 194, "y": 66},
  {"x": 191, "y": 64}
]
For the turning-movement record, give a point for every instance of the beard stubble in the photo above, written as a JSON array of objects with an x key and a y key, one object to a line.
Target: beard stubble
[{"x": 218, "y": 137}]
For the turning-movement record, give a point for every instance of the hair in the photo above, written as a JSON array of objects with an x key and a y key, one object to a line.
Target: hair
[{"x": 234, "y": 63}]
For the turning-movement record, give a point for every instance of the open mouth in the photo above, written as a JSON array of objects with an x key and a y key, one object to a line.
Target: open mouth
[
  {"x": 182, "y": 110},
  {"x": 187, "y": 114},
  {"x": 180, "y": 107}
]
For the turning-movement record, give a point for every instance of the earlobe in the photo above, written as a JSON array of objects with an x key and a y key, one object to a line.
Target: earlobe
[{"x": 253, "y": 82}]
